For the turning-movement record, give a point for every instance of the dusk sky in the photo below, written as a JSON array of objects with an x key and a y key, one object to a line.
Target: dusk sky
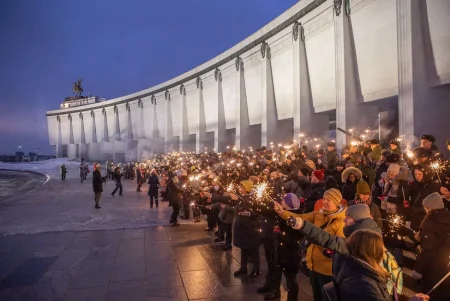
[{"x": 117, "y": 47}]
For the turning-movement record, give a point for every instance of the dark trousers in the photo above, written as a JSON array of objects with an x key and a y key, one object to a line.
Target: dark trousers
[
  {"x": 196, "y": 211},
  {"x": 269, "y": 251},
  {"x": 175, "y": 212},
  {"x": 118, "y": 187},
  {"x": 225, "y": 232},
  {"x": 63, "y": 177},
  {"x": 212, "y": 217},
  {"x": 186, "y": 211},
  {"x": 291, "y": 283},
  {"x": 153, "y": 197},
  {"x": 246, "y": 253},
  {"x": 317, "y": 281},
  {"x": 97, "y": 197},
  {"x": 139, "y": 185}
]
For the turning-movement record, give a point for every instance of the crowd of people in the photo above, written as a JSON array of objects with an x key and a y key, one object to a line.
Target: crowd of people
[{"x": 348, "y": 216}]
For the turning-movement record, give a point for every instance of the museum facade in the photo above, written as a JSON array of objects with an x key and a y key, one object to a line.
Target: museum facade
[{"x": 322, "y": 64}]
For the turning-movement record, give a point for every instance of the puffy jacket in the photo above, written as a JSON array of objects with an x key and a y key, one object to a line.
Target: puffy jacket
[
  {"x": 315, "y": 259},
  {"x": 358, "y": 281}
]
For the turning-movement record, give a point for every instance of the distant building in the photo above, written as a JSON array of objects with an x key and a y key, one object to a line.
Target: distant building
[
  {"x": 32, "y": 156},
  {"x": 7, "y": 158},
  {"x": 19, "y": 156}
]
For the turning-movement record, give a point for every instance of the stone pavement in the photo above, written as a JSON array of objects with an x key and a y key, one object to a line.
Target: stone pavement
[{"x": 159, "y": 263}]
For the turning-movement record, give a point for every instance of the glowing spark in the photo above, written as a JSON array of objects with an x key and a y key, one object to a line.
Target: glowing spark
[
  {"x": 230, "y": 187},
  {"x": 260, "y": 188},
  {"x": 354, "y": 143}
]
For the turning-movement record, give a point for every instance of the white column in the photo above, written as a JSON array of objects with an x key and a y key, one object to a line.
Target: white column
[
  {"x": 168, "y": 133},
  {"x": 184, "y": 126},
  {"x": 220, "y": 135},
  {"x": 242, "y": 122},
  {"x": 305, "y": 119},
  {"x": 71, "y": 140},
  {"x": 349, "y": 109},
  {"x": 59, "y": 142},
  {"x": 201, "y": 129},
  {"x": 82, "y": 134},
  {"x": 93, "y": 128}
]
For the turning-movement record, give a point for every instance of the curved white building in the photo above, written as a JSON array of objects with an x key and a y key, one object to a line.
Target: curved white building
[{"x": 356, "y": 62}]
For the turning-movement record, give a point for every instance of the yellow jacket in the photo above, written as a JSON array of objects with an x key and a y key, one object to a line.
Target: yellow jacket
[{"x": 315, "y": 260}]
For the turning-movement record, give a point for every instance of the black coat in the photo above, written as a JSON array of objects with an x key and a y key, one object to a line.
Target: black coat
[
  {"x": 419, "y": 191},
  {"x": 358, "y": 281},
  {"x": 314, "y": 193},
  {"x": 349, "y": 190},
  {"x": 245, "y": 228},
  {"x": 432, "y": 262},
  {"x": 97, "y": 181},
  {"x": 153, "y": 183},
  {"x": 288, "y": 242},
  {"x": 174, "y": 195},
  {"x": 117, "y": 176}
]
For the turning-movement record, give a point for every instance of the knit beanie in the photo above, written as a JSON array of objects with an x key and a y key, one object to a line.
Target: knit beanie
[
  {"x": 362, "y": 188},
  {"x": 247, "y": 184},
  {"x": 433, "y": 201},
  {"x": 358, "y": 212},
  {"x": 310, "y": 164},
  {"x": 395, "y": 168},
  {"x": 319, "y": 174},
  {"x": 291, "y": 201},
  {"x": 333, "y": 195}
]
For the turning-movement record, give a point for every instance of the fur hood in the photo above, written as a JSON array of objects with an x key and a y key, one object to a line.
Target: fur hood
[
  {"x": 404, "y": 174},
  {"x": 351, "y": 170}
]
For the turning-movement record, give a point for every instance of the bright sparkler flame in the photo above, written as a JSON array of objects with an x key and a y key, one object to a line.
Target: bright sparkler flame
[
  {"x": 354, "y": 143},
  {"x": 409, "y": 153},
  {"x": 260, "y": 188},
  {"x": 435, "y": 166},
  {"x": 230, "y": 187}
]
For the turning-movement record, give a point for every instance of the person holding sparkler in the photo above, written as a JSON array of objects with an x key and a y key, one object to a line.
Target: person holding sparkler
[
  {"x": 422, "y": 186},
  {"x": 245, "y": 233},
  {"x": 331, "y": 219},
  {"x": 175, "y": 198},
  {"x": 357, "y": 217},
  {"x": 432, "y": 263},
  {"x": 350, "y": 177}
]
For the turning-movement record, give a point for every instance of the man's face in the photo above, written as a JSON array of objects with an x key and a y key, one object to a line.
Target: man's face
[
  {"x": 328, "y": 205},
  {"x": 372, "y": 146},
  {"x": 339, "y": 167},
  {"x": 425, "y": 144},
  {"x": 330, "y": 148},
  {"x": 393, "y": 146}
]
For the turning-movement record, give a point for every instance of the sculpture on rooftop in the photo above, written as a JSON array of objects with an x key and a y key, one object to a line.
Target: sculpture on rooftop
[{"x": 77, "y": 88}]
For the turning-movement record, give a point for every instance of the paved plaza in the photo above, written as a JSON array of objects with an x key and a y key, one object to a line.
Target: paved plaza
[{"x": 55, "y": 246}]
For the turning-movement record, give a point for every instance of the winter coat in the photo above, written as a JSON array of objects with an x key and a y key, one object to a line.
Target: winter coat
[
  {"x": 349, "y": 188},
  {"x": 403, "y": 188},
  {"x": 377, "y": 190},
  {"x": 375, "y": 154},
  {"x": 292, "y": 187},
  {"x": 432, "y": 262},
  {"x": 322, "y": 238},
  {"x": 419, "y": 191},
  {"x": 332, "y": 159},
  {"x": 245, "y": 228},
  {"x": 314, "y": 193},
  {"x": 288, "y": 241},
  {"x": 226, "y": 214},
  {"x": 153, "y": 184},
  {"x": 174, "y": 196},
  {"x": 63, "y": 170},
  {"x": 117, "y": 176},
  {"x": 359, "y": 281},
  {"x": 97, "y": 182},
  {"x": 315, "y": 259}
]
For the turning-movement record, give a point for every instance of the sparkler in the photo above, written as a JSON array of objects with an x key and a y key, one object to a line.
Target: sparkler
[{"x": 436, "y": 167}]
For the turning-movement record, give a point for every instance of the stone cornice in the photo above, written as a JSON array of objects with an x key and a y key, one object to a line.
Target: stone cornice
[{"x": 251, "y": 43}]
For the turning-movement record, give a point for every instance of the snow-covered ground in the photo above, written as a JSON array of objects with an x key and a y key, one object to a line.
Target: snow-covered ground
[{"x": 69, "y": 205}]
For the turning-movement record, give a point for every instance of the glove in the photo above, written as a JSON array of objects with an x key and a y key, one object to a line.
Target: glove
[
  {"x": 416, "y": 275},
  {"x": 245, "y": 213}
]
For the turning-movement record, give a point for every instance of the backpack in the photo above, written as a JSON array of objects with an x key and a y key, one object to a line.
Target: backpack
[{"x": 395, "y": 280}]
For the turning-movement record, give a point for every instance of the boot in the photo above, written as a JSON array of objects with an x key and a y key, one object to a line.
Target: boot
[
  {"x": 266, "y": 288},
  {"x": 292, "y": 287},
  {"x": 275, "y": 294},
  {"x": 227, "y": 247},
  {"x": 240, "y": 272},
  {"x": 219, "y": 239},
  {"x": 255, "y": 273}
]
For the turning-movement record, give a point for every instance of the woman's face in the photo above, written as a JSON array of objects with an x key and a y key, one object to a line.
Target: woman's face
[
  {"x": 328, "y": 205},
  {"x": 352, "y": 178},
  {"x": 418, "y": 175},
  {"x": 364, "y": 197},
  {"x": 349, "y": 221},
  {"x": 392, "y": 175}
]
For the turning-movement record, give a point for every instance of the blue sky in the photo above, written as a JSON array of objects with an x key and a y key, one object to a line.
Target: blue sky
[{"x": 117, "y": 47}]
